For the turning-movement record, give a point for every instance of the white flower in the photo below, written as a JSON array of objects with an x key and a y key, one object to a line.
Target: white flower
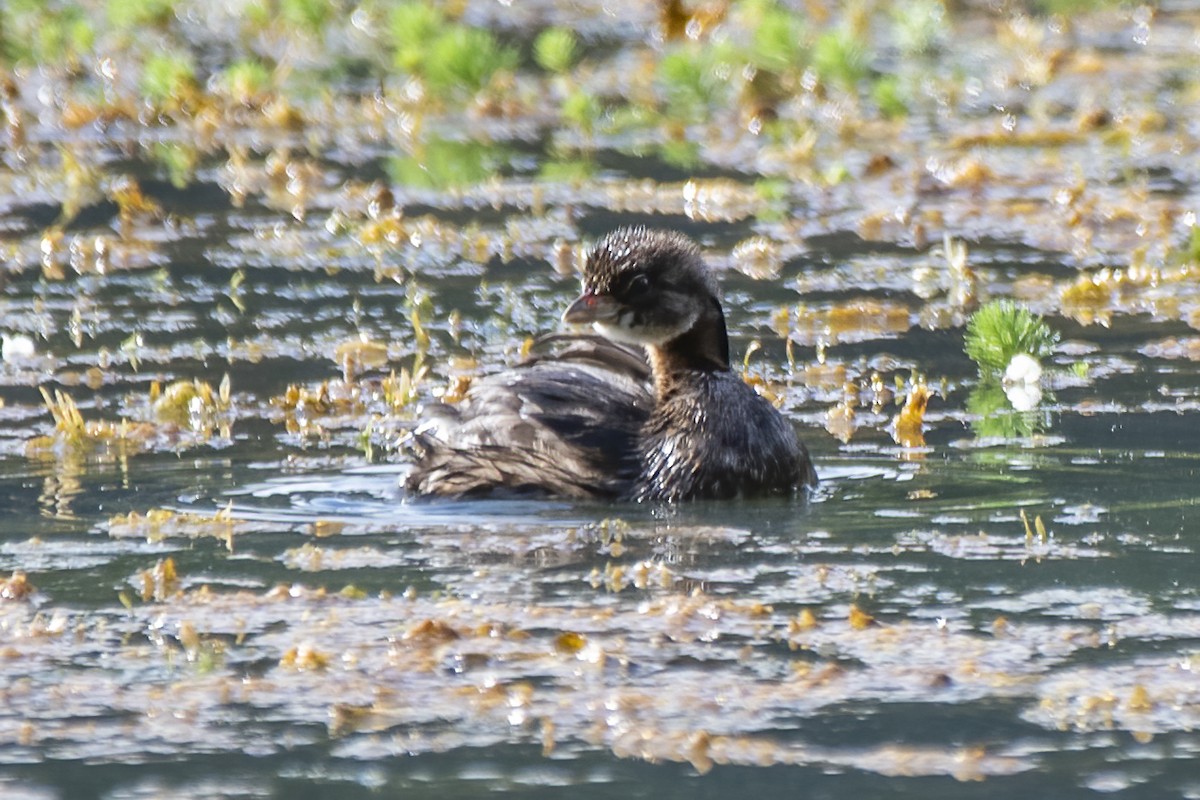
[
  {"x": 1022, "y": 381},
  {"x": 1023, "y": 368},
  {"x": 15, "y": 346}
]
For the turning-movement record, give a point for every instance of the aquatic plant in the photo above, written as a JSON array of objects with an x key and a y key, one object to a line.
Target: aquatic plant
[
  {"x": 908, "y": 426},
  {"x": 688, "y": 81},
  {"x": 1007, "y": 343},
  {"x": 131, "y": 15},
  {"x": 178, "y": 160},
  {"x": 993, "y": 415},
  {"x": 309, "y": 15},
  {"x": 245, "y": 81},
  {"x": 359, "y": 354},
  {"x": 75, "y": 436},
  {"x": 555, "y": 50},
  {"x": 465, "y": 59},
  {"x": 841, "y": 57},
  {"x": 402, "y": 391},
  {"x": 445, "y": 164},
  {"x": 168, "y": 79},
  {"x": 1068, "y": 8},
  {"x": 566, "y": 169},
  {"x": 779, "y": 35},
  {"x": 193, "y": 404},
  {"x": 1001, "y": 330},
  {"x": 16, "y": 587},
  {"x": 582, "y": 109},
  {"x": 888, "y": 94},
  {"x": 918, "y": 25},
  {"x": 132, "y": 204},
  {"x": 158, "y": 524},
  {"x": 30, "y": 32},
  {"x": 413, "y": 27},
  {"x": 1191, "y": 249},
  {"x": 681, "y": 153}
]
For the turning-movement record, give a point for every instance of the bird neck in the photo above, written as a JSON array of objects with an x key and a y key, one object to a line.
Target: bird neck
[{"x": 704, "y": 347}]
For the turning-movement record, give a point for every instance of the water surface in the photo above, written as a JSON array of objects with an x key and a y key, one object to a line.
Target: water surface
[{"x": 232, "y": 597}]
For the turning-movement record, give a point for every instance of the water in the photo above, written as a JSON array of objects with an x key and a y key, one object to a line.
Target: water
[
  {"x": 230, "y": 596},
  {"x": 908, "y": 630}
]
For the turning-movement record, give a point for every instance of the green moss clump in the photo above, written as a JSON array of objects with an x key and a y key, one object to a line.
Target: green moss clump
[
  {"x": 687, "y": 78},
  {"x": 31, "y": 34},
  {"x": 130, "y": 15},
  {"x": 309, "y": 15},
  {"x": 466, "y": 58},
  {"x": 570, "y": 171},
  {"x": 1069, "y": 8},
  {"x": 245, "y": 80},
  {"x": 1002, "y": 329},
  {"x": 168, "y": 78},
  {"x": 918, "y": 25},
  {"x": 555, "y": 50},
  {"x": 840, "y": 57},
  {"x": 681, "y": 153},
  {"x": 779, "y": 40},
  {"x": 888, "y": 96},
  {"x": 1191, "y": 250},
  {"x": 178, "y": 160},
  {"x": 445, "y": 164},
  {"x": 414, "y": 26},
  {"x": 449, "y": 56},
  {"x": 582, "y": 109}
]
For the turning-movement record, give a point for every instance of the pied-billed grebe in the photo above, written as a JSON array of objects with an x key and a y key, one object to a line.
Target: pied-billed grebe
[{"x": 594, "y": 420}]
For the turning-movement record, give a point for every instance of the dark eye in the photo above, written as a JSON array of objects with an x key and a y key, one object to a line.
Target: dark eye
[{"x": 638, "y": 284}]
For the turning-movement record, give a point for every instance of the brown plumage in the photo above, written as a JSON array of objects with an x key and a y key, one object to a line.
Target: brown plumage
[{"x": 594, "y": 419}]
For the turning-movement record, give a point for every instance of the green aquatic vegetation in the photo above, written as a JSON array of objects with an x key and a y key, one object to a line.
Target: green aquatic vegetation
[
  {"x": 131, "y": 15},
  {"x": 841, "y": 57},
  {"x": 918, "y": 25},
  {"x": 33, "y": 34},
  {"x": 1191, "y": 249},
  {"x": 779, "y": 38},
  {"x": 772, "y": 190},
  {"x": 80, "y": 183},
  {"x": 582, "y": 109},
  {"x": 446, "y": 164},
  {"x": 365, "y": 443},
  {"x": 1073, "y": 7},
  {"x": 179, "y": 161},
  {"x": 193, "y": 404},
  {"x": 420, "y": 307},
  {"x": 413, "y": 27},
  {"x": 459, "y": 59},
  {"x": 994, "y": 417},
  {"x": 73, "y": 436},
  {"x": 835, "y": 173},
  {"x": 888, "y": 94},
  {"x": 689, "y": 82},
  {"x": 774, "y": 194},
  {"x": 403, "y": 391},
  {"x": 555, "y": 50},
  {"x": 309, "y": 15},
  {"x": 631, "y": 117},
  {"x": 1001, "y": 330},
  {"x": 168, "y": 79},
  {"x": 567, "y": 170},
  {"x": 682, "y": 153},
  {"x": 245, "y": 81}
]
